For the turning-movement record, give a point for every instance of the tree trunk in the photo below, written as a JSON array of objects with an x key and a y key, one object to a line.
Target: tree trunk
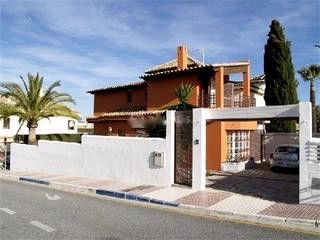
[
  {"x": 313, "y": 104},
  {"x": 32, "y": 125},
  {"x": 32, "y": 140}
]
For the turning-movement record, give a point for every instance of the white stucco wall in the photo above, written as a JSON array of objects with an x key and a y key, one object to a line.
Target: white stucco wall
[
  {"x": 128, "y": 159},
  {"x": 52, "y": 125},
  {"x": 260, "y": 102}
]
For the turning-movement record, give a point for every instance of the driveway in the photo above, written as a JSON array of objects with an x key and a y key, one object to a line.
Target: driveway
[{"x": 259, "y": 182}]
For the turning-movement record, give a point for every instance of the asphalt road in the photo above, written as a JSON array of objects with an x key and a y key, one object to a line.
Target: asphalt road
[{"x": 31, "y": 212}]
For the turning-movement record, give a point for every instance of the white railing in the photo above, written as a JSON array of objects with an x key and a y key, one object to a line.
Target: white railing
[{"x": 313, "y": 151}]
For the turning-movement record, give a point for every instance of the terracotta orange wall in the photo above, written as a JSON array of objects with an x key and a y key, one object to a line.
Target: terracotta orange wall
[
  {"x": 217, "y": 140},
  {"x": 101, "y": 128},
  {"x": 113, "y": 100},
  {"x": 161, "y": 92}
]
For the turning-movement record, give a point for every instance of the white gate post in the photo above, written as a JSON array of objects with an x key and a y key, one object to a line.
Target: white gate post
[
  {"x": 305, "y": 135},
  {"x": 199, "y": 150}
]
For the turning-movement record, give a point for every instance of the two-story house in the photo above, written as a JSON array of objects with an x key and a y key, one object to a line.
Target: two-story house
[{"x": 114, "y": 106}]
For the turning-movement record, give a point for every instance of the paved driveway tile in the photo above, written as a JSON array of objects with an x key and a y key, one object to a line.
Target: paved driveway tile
[
  {"x": 242, "y": 204},
  {"x": 293, "y": 211},
  {"x": 169, "y": 194},
  {"x": 203, "y": 198}
]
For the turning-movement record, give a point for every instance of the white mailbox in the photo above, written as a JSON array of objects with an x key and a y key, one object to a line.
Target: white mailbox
[{"x": 158, "y": 159}]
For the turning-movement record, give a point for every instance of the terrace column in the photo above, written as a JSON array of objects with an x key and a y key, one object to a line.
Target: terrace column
[
  {"x": 246, "y": 82},
  {"x": 219, "y": 80}
]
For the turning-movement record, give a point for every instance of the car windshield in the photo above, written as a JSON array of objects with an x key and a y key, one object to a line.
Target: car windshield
[{"x": 287, "y": 149}]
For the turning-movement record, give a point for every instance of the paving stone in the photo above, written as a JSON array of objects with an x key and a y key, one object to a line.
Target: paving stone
[
  {"x": 311, "y": 212},
  {"x": 169, "y": 194},
  {"x": 81, "y": 181},
  {"x": 48, "y": 176},
  {"x": 65, "y": 179},
  {"x": 31, "y": 174},
  {"x": 242, "y": 205},
  {"x": 98, "y": 184},
  {"x": 10, "y": 173},
  {"x": 203, "y": 198},
  {"x": 117, "y": 186},
  {"x": 146, "y": 190}
]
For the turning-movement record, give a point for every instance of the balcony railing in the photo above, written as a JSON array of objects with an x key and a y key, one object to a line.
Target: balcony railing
[{"x": 209, "y": 101}]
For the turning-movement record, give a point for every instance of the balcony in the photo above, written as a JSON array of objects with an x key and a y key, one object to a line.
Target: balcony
[{"x": 238, "y": 101}]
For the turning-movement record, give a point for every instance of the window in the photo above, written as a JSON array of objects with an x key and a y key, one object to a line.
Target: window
[
  {"x": 129, "y": 96},
  {"x": 287, "y": 149},
  {"x": 6, "y": 123},
  {"x": 238, "y": 145},
  {"x": 71, "y": 124}
]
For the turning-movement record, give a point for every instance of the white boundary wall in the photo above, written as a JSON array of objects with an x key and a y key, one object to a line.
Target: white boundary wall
[{"x": 128, "y": 159}]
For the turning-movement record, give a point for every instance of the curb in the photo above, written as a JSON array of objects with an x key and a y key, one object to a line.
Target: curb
[
  {"x": 291, "y": 223},
  {"x": 34, "y": 180},
  {"x": 97, "y": 191}
]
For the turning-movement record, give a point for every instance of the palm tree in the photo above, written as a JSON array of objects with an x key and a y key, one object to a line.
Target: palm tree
[
  {"x": 184, "y": 92},
  {"x": 311, "y": 73},
  {"x": 31, "y": 103}
]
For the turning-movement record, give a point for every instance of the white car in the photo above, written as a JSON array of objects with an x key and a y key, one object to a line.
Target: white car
[{"x": 285, "y": 156}]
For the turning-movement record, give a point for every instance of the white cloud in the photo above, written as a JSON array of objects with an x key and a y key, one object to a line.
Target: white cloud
[{"x": 91, "y": 44}]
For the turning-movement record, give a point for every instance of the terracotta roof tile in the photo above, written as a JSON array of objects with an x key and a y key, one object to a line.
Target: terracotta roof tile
[
  {"x": 172, "y": 64},
  {"x": 127, "y": 114},
  {"x": 132, "y": 84},
  {"x": 175, "y": 70}
]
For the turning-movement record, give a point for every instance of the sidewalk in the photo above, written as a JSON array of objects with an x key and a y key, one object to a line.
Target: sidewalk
[{"x": 209, "y": 202}]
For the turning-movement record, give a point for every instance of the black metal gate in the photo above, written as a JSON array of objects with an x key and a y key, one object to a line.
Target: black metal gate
[{"x": 183, "y": 148}]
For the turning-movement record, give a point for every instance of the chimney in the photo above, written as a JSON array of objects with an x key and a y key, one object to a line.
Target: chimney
[{"x": 182, "y": 57}]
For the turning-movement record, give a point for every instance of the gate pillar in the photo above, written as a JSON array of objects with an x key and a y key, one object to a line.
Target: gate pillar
[
  {"x": 305, "y": 135},
  {"x": 199, "y": 149}
]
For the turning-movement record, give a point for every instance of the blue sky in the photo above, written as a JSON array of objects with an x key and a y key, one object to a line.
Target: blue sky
[{"x": 93, "y": 44}]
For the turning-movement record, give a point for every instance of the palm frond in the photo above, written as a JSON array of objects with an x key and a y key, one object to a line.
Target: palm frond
[
  {"x": 310, "y": 72},
  {"x": 184, "y": 92},
  {"x": 31, "y": 102}
]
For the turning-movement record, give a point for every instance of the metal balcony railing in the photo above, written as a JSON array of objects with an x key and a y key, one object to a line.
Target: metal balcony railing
[{"x": 209, "y": 101}]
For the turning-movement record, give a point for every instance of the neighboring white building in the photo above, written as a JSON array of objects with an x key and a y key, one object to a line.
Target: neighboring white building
[
  {"x": 257, "y": 87},
  {"x": 53, "y": 125}
]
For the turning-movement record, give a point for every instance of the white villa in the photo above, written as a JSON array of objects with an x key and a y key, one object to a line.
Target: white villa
[{"x": 54, "y": 125}]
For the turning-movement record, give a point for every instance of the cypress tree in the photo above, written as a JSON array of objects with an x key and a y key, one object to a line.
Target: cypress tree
[{"x": 281, "y": 85}]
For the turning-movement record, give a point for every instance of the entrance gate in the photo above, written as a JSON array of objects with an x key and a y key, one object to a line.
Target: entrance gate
[{"x": 183, "y": 148}]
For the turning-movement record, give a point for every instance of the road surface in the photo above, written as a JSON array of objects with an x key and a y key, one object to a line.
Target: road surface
[{"x": 33, "y": 212}]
